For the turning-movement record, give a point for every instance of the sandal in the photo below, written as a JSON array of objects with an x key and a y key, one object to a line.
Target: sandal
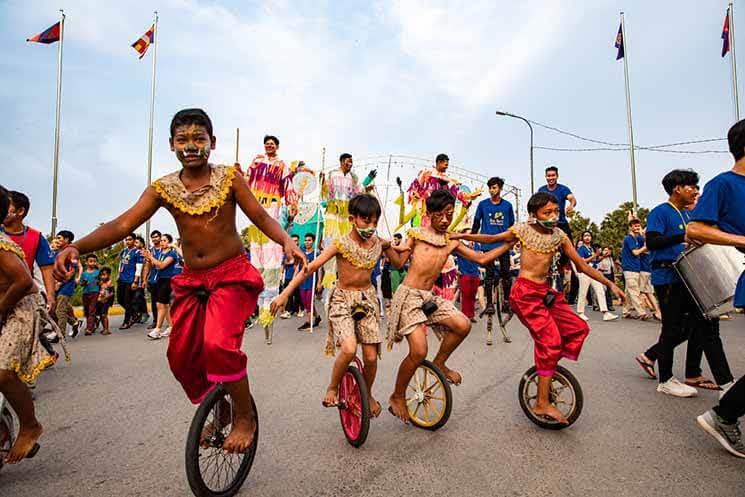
[
  {"x": 647, "y": 367},
  {"x": 705, "y": 384}
]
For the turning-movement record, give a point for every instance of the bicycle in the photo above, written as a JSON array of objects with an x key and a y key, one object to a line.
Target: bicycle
[
  {"x": 211, "y": 472},
  {"x": 501, "y": 308}
]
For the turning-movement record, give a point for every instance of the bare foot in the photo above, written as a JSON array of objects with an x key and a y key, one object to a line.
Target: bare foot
[
  {"x": 550, "y": 412},
  {"x": 331, "y": 398},
  {"x": 27, "y": 437},
  {"x": 241, "y": 435},
  {"x": 209, "y": 429},
  {"x": 452, "y": 375},
  {"x": 398, "y": 408},
  {"x": 375, "y": 407}
]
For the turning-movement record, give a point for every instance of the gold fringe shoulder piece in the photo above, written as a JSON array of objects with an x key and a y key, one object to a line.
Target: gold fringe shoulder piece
[
  {"x": 202, "y": 200},
  {"x": 359, "y": 257},
  {"x": 10, "y": 246},
  {"x": 538, "y": 242},
  {"x": 427, "y": 236}
]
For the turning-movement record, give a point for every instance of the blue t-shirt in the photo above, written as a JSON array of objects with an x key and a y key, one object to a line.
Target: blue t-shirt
[
  {"x": 584, "y": 251},
  {"x": 170, "y": 270},
  {"x": 493, "y": 219},
  {"x": 128, "y": 260},
  {"x": 153, "y": 274},
  {"x": 466, "y": 267},
  {"x": 68, "y": 287},
  {"x": 561, "y": 192},
  {"x": 307, "y": 283},
  {"x": 722, "y": 203},
  {"x": 629, "y": 261},
  {"x": 289, "y": 272},
  {"x": 89, "y": 280},
  {"x": 665, "y": 220}
]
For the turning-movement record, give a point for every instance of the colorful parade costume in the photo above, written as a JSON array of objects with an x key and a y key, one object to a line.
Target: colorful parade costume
[
  {"x": 556, "y": 329},
  {"x": 342, "y": 302},
  {"x": 427, "y": 181},
  {"x": 210, "y": 306},
  {"x": 337, "y": 190},
  {"x": 20, "y": 348}
]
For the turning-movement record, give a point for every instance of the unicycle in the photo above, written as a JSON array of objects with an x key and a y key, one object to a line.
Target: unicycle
[
  {"x": 354, "y": 404},
  {"x": 211, "y": 472},
  {"x": 565, "y": 394},
  {"x": 8, "y": 429},
  {"x": 429, "y": 398},
  {"x": 502, "y": 317}
]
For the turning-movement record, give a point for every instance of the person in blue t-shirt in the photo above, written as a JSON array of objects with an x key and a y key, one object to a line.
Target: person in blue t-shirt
[
  {"x": 88, "y": 279},
  {"x": 469, "y": 279},
  {"x": 164, "y": 263},
  {"x": 494, "y": 215},
  {"x": 645, "y": 284},
  {"x": 293, "y": 303},
  {"x": 149, "y": 274},
  {"x": 718, "y": 218},
  {"x": 63, "y": 310},
  {"x": 129, "y": 258},
  {"x": 631, "y": 250},
  {"x": 588, "y": 253},
  {"x": 563, "y": 195},
  {"x": 306, "y": 287},
  {"x": 681, "y": 318}
]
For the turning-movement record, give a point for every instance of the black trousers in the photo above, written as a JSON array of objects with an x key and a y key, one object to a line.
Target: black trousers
[
  {"x": 153, "y": 306},
  {"x": 732, "y": 405},
  {"x": 682, "y": 320},
  {"x": 504, "y": 276},
  {"x": 293, "y": 303},
  {"x": 124, "y": 294},
  {"x": 385, "y": 283}
]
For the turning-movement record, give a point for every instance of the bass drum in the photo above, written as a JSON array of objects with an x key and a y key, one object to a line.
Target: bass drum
[{"x": 710, "y": 272}]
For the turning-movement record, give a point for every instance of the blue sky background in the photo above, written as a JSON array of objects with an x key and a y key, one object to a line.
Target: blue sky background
[{"x": 381, "y": 77}]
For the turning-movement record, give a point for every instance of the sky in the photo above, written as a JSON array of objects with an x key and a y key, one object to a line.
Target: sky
[{"x": 374, "y": 78}]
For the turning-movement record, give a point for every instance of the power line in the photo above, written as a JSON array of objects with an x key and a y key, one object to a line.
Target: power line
[{"x": 626, "y": 149}]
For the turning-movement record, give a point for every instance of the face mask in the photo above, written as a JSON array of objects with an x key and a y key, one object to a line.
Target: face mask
[
  {"x": 365, "y": 232},
  {"x": 548, "y": 223}
]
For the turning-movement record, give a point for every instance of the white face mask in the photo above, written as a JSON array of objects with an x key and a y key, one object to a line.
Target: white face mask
[{"x": 366, "y": 233}]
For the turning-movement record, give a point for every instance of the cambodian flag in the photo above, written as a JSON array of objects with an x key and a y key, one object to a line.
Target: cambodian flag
[
  {"x": 725, "y": 35},
  {"x": 619, "y": 43},
  {"x": 50, "y": 35},
  {"x": 144, "y": 42}
]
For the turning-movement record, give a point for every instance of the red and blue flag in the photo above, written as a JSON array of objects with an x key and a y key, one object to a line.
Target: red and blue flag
[
  {"x": 619, "y": 43},
  {"x": 50, "y": 35},
  {"x": 725, "y": 35},
  {"x": 144, "y": 42}
]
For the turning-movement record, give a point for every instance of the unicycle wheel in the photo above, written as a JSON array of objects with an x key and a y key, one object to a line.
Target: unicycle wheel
[
  {"x": 211, "y": 472},
  {"x": 7, "y": 434},
  {"x": 565, "y": 395},
  {"x": 429, "y": 398},
  {"x": 354, "y": 406}
]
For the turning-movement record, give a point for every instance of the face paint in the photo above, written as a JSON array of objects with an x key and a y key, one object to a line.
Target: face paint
[
  {"x": 365, "y": 233},
  {"x": 548, "y": 223}
]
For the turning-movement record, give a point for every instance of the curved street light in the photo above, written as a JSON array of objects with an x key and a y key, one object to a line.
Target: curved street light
[{"x": 507, "y": 114}]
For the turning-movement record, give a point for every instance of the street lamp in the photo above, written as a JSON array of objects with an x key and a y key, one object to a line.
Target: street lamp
[{"x": 507, "y": 114}]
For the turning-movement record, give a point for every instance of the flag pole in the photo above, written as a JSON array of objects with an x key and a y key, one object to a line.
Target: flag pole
[
  {"x": 315, "y": 242},
  {"x": 731, "y": 17},
  {"x": 628, "y": 111},
  {"x": 237, "y": 143},
  {"x": 57, "y": 122},
  {"x": 156, "y": 37}
]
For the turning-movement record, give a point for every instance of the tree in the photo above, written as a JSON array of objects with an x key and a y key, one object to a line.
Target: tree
[
  {"x": 615, "y": 226},
  {"x": 579, "y": 224}
]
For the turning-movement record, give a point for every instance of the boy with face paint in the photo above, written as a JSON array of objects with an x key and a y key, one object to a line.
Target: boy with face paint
[
  {"x": 218, "y": 288},
  {"x": 353, "y": 310},
  {"x": 556, "y": 329},
  {"x": 429, "y": 248}
]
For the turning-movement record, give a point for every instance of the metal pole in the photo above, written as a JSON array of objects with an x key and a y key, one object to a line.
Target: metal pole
[
  {"x": 58, "y": 116},
  {"x": 156, "y": 36},
  {"x": 316, "y": 243},
  {"x": 530, "y": 126},
  {"x": 237, "y": 143},
  {"x": 734, "y": 60},
  {"x": 628, "y": 110}
]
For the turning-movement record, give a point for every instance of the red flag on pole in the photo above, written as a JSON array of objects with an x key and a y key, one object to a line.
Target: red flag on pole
[
  {"x": 50, "y": 35},
  {"x": 725, "y": 35},
  {"x": 144, "y": 42}
]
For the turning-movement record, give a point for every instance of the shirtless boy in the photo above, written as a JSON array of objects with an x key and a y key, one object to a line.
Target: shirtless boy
[
  {"x": 429, "y": 249},
  {"x": 218, "y": 288},
  {"x": 353, "y": 309},
  {"x": 556, "y": 329}
]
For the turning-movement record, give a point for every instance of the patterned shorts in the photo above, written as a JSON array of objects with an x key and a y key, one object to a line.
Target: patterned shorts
[
  {"x": 406, "y": 313},
  {"x": 341, "y": 323}
]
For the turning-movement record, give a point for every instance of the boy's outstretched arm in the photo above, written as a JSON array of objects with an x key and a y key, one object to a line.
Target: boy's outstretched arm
[
  {"x": 109, "y": 233},
  {"x": 590, "y": 271},
  {"x": 266, "y": 223},
  {"x": 21, "y": 283},
  {"x": 397, "y": 255},
  {"x": 300, "y": 275},
  {"x": 482, "y": 258},
  {"x": 507, "y": 236}
]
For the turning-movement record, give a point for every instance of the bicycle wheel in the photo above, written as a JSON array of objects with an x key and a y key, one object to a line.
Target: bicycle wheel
[
  {"x": 429, "y": 398},
  {"x": 502, "y": 317},
  {"x": 565, "y": 395},
  {"x": 7, "y": 434},
  {"x": 354, "y": 406},
  {"x": 210, "y": 472}
]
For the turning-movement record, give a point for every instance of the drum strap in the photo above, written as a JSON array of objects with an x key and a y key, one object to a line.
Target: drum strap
[{"x": 682, "y": 218}]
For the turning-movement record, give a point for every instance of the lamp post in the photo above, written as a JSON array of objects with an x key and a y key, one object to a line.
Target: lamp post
[{"x": 507, "y": 114}]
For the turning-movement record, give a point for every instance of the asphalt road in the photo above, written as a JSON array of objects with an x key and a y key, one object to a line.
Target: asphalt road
[{"x": 116, "y": 421}]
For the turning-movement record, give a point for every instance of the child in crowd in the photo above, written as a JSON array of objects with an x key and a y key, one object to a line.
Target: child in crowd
[
  {"x": 218, "y": 288},
  {"x": 105, "y": 299},
  {"x": 353, "y": 309},
  {"x": 88, "y": 279},
  {"x": 469, "y": 279},
  {"x": 290, "y": 268},
  {"x": 556, "y": 329},
  {"x": 415, "y": 305},
  {"x": 306, "y": 287},
  {"x": 63, "y": 310}
]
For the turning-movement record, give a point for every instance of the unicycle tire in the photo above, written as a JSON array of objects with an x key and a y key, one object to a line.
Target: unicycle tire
[
  {"x": 429, "y": 397},
  {"x": 564, "y": 386},
  {"x": 354, "y": 406},
  {"x": 210, "y": 472},
  {"x": 7, "y": 434}
]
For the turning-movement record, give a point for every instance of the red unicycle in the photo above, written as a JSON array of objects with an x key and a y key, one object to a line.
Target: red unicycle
[{"x": 354, "y": 404}]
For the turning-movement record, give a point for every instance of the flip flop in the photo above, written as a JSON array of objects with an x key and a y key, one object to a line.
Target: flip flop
[
  {"x": 390, "y": 410},
  {"x": 376, "y": 412},
  {"x": 705, "y": 384},
  {"x": 648, "y": 368}
]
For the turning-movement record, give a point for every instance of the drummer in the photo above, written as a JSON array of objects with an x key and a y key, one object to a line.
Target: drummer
[
  {"x": 718, "y": 219},
  {"x": 666, "y": 234}
]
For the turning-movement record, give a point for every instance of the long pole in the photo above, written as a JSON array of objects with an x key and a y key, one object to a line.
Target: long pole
[
  {"x": 735, "y": 94},
  {"x": 628, "y": 110},
  {"x": 237, "y": 143},
  {"x": 318, "y": 232},
  {"x": 57, "y": 123},
  {"x": 156, "y": 36},
  {"x": 530, "y": 126}
]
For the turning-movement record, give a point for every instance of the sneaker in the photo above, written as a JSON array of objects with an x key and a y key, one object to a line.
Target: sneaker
[
  {"x": 151, "y": 326},
  {"x": 105, "y": 332},
  {"x": 584, "y": 316},
  {"x": 676, "y": 389},
  {"x": 609, "y": 316},
  {"x": 725, "y": 387},
  {"x": 728, "y": 435},
  {"x": 304, "y": 326},
  {"x": 251, "y": 323},
  {"x": 285, "y": 315},
  {"x": 155, "y": 334},
  {"x": 301, "y": 314},
  {"x": 165, "y": 333}
]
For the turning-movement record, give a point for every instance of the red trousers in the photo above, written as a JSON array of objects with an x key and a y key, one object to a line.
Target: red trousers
[
  {"x": 89, "y": 309},
  {"x": 209, "y": 309},
  {"x": 469, "y": 285},
  {"x": 557, "y": 330}
]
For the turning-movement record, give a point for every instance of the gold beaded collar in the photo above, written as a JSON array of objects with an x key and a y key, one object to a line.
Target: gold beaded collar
[
  {"x": 10, "y": 246},
  {"x": 359, "y": 257},
  {"x": 427, "y": 236},
  {"x": 532, "y": 239},
  {"x": 203, "y": 199}
]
